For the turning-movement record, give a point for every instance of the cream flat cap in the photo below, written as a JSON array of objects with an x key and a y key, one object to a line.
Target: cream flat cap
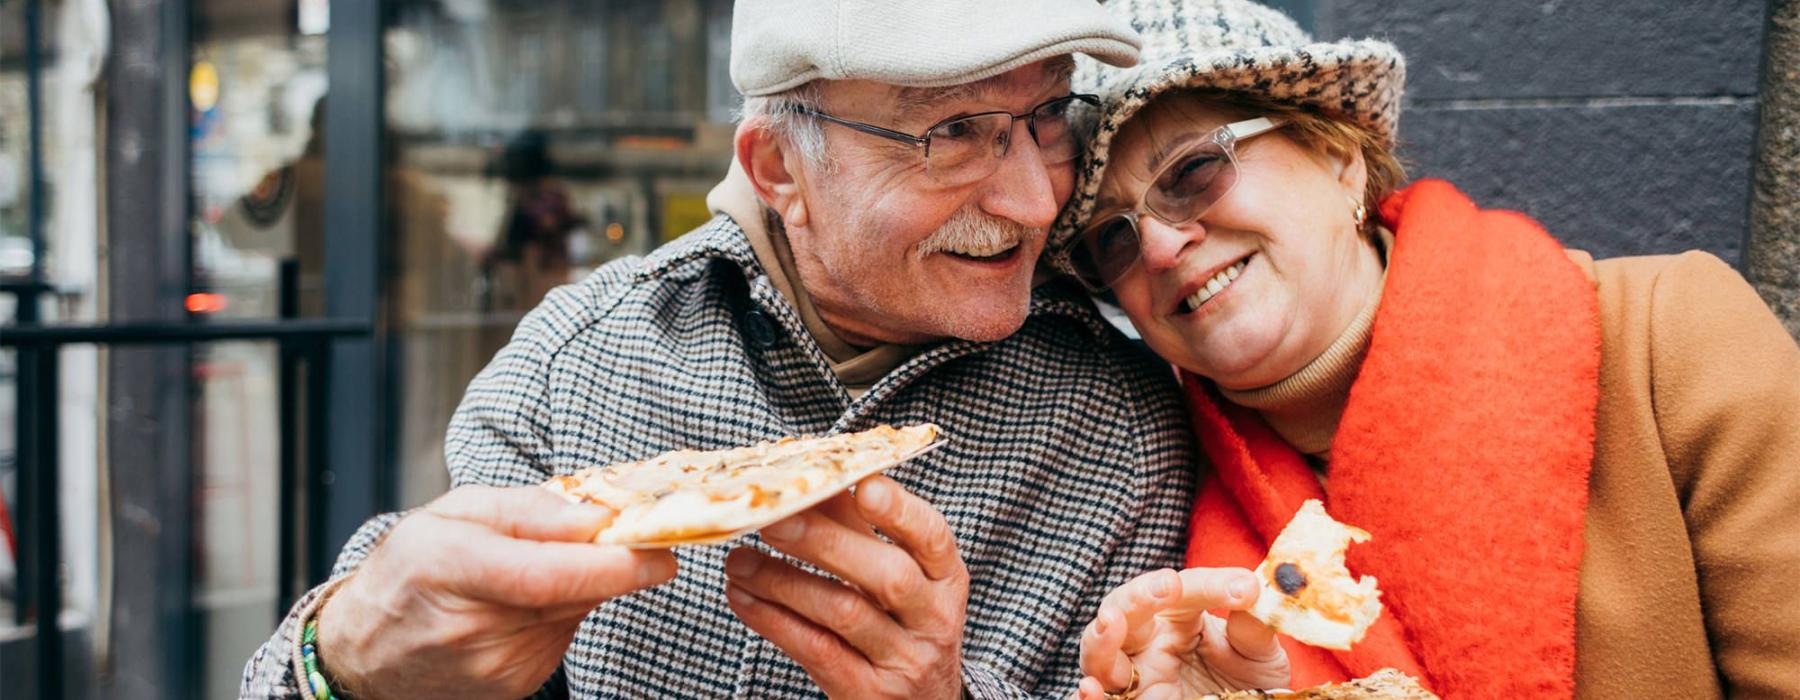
[{"x": 781, "y": 44}]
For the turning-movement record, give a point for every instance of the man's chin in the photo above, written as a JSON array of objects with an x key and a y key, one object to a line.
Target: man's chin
[{"x": 987, "y": 328}]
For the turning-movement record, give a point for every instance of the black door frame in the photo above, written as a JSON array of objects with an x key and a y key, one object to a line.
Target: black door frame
[{"x": 346, "y": 474}]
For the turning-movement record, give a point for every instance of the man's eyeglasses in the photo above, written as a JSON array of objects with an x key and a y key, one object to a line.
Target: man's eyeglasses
[
  {"x": 962, "y": 150},
  {"x": 1198, "y": 173}
]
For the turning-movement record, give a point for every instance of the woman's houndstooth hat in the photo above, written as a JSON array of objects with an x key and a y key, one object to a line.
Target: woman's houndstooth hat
[{"x": 1233, "y": 45}]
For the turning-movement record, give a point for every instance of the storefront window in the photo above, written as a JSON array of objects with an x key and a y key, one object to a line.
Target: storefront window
[
  {"x": 256, "y": 89},
  {"x": 533, "y": 142},
  {"x": 62, "y": 272}
]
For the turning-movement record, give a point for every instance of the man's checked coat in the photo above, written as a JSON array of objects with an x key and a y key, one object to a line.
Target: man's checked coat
[{"x": 1069, "y": 467}]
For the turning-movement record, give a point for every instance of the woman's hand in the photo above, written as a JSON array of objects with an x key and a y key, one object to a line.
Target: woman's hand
[{"x": 1156, "y": 627}]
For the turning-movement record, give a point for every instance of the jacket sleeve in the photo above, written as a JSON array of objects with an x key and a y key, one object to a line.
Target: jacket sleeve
[
  {"x": 1726, "y": 390},
  {"x": 983, "y": 683},
  {"x": 274, "y": 670},
  {"x": 499, "y": 436}
]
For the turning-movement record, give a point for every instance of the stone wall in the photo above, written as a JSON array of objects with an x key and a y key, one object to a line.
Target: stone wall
[
  {"x": 1626, "y": 128},
  {"x": 1773, "y": 259}
]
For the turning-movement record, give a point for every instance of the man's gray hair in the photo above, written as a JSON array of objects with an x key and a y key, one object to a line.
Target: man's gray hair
[{"x": 781, "y": 112}]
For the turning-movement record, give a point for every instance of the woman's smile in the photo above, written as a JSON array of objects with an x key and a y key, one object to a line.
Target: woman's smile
[{"x": 1198, "y": 293}]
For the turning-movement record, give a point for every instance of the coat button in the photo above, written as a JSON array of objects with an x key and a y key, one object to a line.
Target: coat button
[{"x": 760, "y": 330}]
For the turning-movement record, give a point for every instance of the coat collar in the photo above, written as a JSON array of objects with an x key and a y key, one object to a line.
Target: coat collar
[
  {"x": 1464, "y": 449},
  {"x": 734, "y": 207},
  {"x": 1057, "y": 307}
]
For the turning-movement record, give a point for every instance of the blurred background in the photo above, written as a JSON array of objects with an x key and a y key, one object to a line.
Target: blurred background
[{"x": 251, "y": 251}]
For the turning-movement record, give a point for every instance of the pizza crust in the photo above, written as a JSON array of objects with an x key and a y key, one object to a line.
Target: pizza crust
[
  {"x": 1307, "y": 592},
  {"x": 700, "y": 497},
  {"x": 1385, "y": 684}
]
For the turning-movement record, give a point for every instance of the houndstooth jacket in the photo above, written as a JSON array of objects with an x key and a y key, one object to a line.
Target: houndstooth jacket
[{"x": 1068, "y": 470}]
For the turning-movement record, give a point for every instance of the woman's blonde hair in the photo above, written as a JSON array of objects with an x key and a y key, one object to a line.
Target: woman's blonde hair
[{"x": 1311, "y": 129}]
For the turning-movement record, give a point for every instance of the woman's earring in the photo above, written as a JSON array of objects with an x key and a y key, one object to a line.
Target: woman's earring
[{"x": 1361, "y": 214}]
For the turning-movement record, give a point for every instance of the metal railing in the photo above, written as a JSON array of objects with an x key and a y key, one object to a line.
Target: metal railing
[{"x": 303, "y": 346}]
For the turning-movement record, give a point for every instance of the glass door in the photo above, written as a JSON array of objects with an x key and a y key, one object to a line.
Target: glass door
[{"x": 531, "y": 142}]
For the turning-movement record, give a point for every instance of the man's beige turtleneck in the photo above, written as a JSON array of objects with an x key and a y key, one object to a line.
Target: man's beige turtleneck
[
  {"x": 857, "y": 368},
  {"x": 1305, "y": 407}
]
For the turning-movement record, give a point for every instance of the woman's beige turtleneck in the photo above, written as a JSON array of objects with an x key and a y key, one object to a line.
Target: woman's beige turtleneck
[{"x": 1305, "y": 407}]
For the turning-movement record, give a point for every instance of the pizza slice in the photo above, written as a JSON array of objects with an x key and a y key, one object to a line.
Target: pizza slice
[
  {"x": 1307, "y": 592},
  {"x": 699, "y": 497},
  {"x": 1385, "y": 684}
]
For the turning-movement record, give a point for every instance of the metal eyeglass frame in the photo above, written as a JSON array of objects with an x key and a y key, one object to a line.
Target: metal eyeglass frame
[
  {"x": 924, "y": 140},
  {"x": 1225, "y": 137}
]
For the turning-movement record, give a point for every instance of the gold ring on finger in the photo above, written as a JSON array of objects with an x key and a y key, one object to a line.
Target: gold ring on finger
[{"x": 1130, "y": 692}]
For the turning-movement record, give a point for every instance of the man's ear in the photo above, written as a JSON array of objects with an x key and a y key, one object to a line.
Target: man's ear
[{"x": 776, "y": 177}]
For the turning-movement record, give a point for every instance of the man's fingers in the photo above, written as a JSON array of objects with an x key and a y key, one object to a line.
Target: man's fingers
[
  {"x": 523, "y": 512},
  {"x": 842, "y": 508},
  {"x": 1138, "y": 602},
  {"x": 836, "y": 667},
  {"x": 827, "y": 604},
  {"x": 529, "y": 574},
  {"x": 887, "y": 573},
  {"x": 913, "y": 524}
]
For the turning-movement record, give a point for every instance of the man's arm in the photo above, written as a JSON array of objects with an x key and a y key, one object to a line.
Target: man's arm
[
  {"x": 273, "y": 671},
  {"x": 516, "y": 565}
]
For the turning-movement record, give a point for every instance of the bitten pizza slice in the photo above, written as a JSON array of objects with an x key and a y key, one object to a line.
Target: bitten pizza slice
[
  {"x": 1307, "y": 592},
  {"x": 697, "y": 497}
]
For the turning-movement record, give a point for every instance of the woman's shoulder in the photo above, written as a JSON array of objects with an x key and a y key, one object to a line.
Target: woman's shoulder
[
  {"x": 1676, "y": 289},
  {"x": 1643, "y": 273},
  {"x": 1688, "y": 315}
]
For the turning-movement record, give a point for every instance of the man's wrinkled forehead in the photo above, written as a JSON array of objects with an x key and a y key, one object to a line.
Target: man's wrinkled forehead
[{"x": 1032, "y": 80}]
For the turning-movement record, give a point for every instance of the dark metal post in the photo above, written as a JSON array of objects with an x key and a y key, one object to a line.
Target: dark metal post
[
  {"x": 34, "y": 129},
  {"x": 41, "y": 494},
  {"x": 149, "y": 402},
  {"x": 287, "y": 581},
  {"x": 351, "y": 487},
  {"x": 315, "y": 477}
]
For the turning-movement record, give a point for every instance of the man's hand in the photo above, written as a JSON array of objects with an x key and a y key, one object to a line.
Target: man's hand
[
  {"x": 1157, "y": 626},
  {"x": 893, "y": 626},
  {"x": 476, "y": 595}
]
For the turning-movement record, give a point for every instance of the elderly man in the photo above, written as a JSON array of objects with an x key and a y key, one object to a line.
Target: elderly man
[{"x": 873, "y": 262}]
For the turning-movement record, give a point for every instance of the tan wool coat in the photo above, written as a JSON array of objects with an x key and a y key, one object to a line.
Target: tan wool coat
[{"x": 1690, "y": 582}]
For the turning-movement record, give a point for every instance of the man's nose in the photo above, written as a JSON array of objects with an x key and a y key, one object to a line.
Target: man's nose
[
  {"x": 1020, "y": 187},
  {"x": 1162, "y": 245}
]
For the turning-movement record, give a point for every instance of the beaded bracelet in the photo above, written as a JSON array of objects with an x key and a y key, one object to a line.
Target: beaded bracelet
[{"x": 309, "y": 655}]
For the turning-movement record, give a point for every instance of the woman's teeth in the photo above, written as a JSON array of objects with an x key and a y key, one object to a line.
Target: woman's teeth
[{"x": 1217, "y": 284}]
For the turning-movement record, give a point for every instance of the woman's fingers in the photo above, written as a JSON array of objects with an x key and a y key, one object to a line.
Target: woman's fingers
[
  {"x": 1090, "y": 689},
  {"x": 1250, "y": 638},
  {"x": 1103, "y": 657},
  {"x": 1212, "y": 589},
  {"x": 1138, "y": 601},
  {"x": 1243, "y": 650}
]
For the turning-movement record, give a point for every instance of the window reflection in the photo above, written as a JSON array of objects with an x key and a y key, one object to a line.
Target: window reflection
[
  {"x": 559, "y": 135},
  {"x": 257, "y": 99}
]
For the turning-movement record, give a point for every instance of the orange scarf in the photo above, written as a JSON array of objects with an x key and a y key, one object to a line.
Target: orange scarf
[{"x": 1464, "y": 449}]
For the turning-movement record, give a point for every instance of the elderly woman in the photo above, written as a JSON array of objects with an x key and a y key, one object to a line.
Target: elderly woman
[{"x": 1582, "y": 476}]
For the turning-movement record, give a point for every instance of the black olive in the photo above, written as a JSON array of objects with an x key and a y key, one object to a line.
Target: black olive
[{"x": 1289, "y": 579}]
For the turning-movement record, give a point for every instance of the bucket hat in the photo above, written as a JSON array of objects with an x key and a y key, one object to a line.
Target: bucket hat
[{"x": 1236, "y": 46}]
